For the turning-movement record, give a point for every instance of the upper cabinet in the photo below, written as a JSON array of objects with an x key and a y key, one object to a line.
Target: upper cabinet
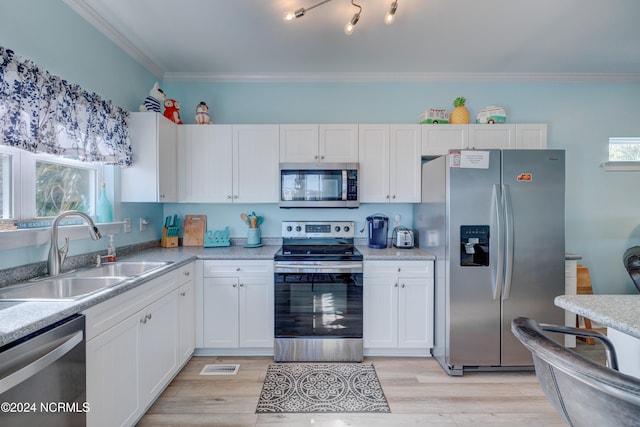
[
  {"x": 325, "y": 143},
  {"x": 228, "y": 163},
  {"x": 389, "y": 163},
  {"x": 153, "y": 175},
  {"x": 437, "y": 140}
]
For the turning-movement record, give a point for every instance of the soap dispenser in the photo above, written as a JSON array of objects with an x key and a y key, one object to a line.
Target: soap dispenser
[{"x": 111, "y": 250}]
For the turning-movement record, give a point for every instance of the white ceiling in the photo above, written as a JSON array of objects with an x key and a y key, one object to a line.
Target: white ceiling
[{"x": 246, "y": 40}]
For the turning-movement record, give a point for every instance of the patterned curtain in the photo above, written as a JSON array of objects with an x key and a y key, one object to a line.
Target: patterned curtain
[{"x": 42, "y": 113}]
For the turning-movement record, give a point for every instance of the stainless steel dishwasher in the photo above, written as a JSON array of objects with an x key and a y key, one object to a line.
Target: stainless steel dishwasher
[{"x": 43, "y": 377}]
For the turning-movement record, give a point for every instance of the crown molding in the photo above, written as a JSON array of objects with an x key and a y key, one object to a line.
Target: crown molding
[
  {"x": 366, "y": 77},
  {"x": 92, "y": 17}
]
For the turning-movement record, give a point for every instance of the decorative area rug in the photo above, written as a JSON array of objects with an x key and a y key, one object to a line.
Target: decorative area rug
[{"x": 329, "y": 387}]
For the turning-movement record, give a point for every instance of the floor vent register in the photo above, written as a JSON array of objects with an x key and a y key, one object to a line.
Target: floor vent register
[{"x": 220, "y": 369}]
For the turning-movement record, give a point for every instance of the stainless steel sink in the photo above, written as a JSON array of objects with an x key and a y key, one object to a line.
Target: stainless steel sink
[
  {"x": 121, "y": 268},
  {"x": 59, "y": 288}
]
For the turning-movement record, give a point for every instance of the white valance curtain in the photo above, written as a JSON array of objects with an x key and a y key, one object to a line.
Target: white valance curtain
[{"x": 42, "y": 113}]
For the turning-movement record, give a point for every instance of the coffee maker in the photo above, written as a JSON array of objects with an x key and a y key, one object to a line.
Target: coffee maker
[{"x": 377, "y": 225}]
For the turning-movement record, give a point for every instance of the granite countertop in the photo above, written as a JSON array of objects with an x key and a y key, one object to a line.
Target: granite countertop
[
  {"x": 18, "y": 319},
  {"x": 619, "y": 312}
]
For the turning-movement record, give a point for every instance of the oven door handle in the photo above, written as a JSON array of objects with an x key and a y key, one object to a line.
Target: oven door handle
[{"x": 348, "y": 266}]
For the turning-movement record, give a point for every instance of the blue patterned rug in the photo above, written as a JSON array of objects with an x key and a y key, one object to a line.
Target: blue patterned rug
[{"x": 327, "y": 387}]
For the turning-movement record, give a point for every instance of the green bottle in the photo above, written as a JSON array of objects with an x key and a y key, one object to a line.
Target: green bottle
[{"x": 104, "y": 210}]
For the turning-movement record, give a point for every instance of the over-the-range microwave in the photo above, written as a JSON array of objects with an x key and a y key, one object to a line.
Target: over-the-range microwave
[{"x": 319, "y": 185}]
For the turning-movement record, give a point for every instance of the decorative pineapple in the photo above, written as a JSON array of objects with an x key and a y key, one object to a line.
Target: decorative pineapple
[{"x": 459, "y": 115}]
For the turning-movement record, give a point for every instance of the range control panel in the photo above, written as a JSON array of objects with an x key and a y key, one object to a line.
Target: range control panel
[{"x": 318, "y": 229}]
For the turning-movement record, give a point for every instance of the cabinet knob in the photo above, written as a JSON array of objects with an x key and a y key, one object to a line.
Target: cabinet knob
[
  {"x": 235, "y": 285},
  {"x": 183, "y": 294},
  {"x": 143, "y": 320},
  {"x": 237, "y": 268},
  {"x": 388, "y": 196},
  {"x": 228, "y": 196},
  {"x": 235, "y": 196},
  {"x": 394, "y": 196},
  {"x": 399, "y": 269},
  {"x": 241, "y": 285},
  {"x": 321, "y": 157},
  {"x": 395, "y": 286},
  {"x": 149, "y": 316},
  {"x": 186, "y": 273},
  {"x": 402, "y": 286}
]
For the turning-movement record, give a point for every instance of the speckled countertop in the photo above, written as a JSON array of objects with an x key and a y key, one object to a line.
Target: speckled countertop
[
  {"x": 18, "y": 319},
  {"x": 620, "y": 312}
]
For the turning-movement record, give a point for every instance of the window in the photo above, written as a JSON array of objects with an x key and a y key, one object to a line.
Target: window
[
  {"x": 624, "y": 154},
  {"x": 40, "y": 186}
]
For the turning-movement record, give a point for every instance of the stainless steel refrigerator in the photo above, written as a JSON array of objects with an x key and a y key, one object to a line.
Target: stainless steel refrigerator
[{"x": 495, "y": 221}]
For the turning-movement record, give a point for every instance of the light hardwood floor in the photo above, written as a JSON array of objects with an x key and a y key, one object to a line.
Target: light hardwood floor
[{"x": 418, "y": 391}]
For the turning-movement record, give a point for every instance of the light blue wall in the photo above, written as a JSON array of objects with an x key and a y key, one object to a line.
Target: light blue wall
[
  {"x": 602, "y": 210},
  {"x": 59, "y": 40}
]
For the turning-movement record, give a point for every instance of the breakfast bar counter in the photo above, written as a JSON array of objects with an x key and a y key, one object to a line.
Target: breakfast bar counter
[{"x": 620, "y": 314}]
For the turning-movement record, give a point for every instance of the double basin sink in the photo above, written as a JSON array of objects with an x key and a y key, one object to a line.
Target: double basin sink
[{"x": 79, "y": 283}]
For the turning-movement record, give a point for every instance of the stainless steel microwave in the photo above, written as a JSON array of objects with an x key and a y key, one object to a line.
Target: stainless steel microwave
[{"x": 319, "y": 185}]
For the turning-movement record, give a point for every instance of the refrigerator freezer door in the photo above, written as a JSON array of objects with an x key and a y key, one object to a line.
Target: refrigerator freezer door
[
  {"x": 473, "y": 302},
  {"x": 534, "y": 193}
]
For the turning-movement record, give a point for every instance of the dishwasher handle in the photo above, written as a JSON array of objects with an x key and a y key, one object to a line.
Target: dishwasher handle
[{"x": 52, "y": 352}]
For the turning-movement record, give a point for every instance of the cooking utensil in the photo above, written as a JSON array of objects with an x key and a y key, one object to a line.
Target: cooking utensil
[{"x": 244, "y": 218}]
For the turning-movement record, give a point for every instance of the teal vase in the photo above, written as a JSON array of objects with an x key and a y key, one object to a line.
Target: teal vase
[{"x": 104, "y": 209}]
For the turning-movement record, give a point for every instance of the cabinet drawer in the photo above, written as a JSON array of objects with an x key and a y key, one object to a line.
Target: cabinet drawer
[
  {"x": 399, "y": 268},
  {"x": 185, "y": 273},
  {"x": 225, "y": 268}
]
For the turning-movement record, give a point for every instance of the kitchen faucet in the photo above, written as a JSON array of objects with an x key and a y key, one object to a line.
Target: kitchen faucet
[{"x": 58, "y": 255}]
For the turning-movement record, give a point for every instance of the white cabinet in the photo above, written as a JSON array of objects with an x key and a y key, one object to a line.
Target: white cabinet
[
  {"x": 237, "y": 312},
  {"x": 153, "y": 175},
  {"x": 327, "y": 143},
  {"x": 205, "y": 163},
  {"x": 389, "y": 163},
  {"x": 186, "y": 310},
  {"x": 439, "y": 139},
  {"x": 398, "y": 307},
  {"x": 228, "y": 163},
  {"x": 136, "y": 339}
]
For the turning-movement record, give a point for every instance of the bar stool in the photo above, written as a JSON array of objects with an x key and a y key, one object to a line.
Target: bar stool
[{"x": 583, "y": 287}]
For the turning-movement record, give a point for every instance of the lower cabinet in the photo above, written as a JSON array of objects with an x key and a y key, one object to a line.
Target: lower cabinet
[
  {"x": 237, "y": 307},
  {"x": 136, "y": 343},
  {"x": 398, "y": 307}
]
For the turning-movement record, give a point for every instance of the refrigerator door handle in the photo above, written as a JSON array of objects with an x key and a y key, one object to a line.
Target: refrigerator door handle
[
  {"x": 498, "y": 226},
  {"x": 508, "y": 215}
]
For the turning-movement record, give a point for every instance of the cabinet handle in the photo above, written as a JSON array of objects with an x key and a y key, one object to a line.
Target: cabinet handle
[
  {"x": 395, "y": 286},
  {"x": 237, "y": 268},
  {"x": 186, "y": 273},
  {"x": 228, "y": 196},
  {"x": 235, "y": 196},
  {"x": 402, "y": 285},
  {"x": 143, "y": 320},
  {"x": 241, "y": 285},
  {"x": 394, "y": 196},
  {"x": 183, "y": 294},
  {"x": 315, "y": 157},
  {"x": 388, "y": 196},
  {"x": 235, "y": 285},
  {"x": 149, "y": 316},
  {"x": 399, "y": 269},
  {"x": 321, "y": 157}
]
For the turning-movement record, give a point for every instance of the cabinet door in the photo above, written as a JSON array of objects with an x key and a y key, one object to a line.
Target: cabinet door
[
  {"x": 415, "y": 328},
  {"x": 298, "y": 143},
  {"x": 485, "y": 136},
  {"x": 373, "y": 175},
  {"x": 405, "y": 164},
  {"x": 187, "y": 322},
  {"x": 256, "y": 311},
  {"x": 112, "y": 376},
  {"x": 437, "y": 140},
  {"x": 531, "y": 136},
  {"x": 220, "y": 313},
  {"x": 380, "y": 312},
  {"x": 167, "y": 161},
  {"x": 338, "y": 143},
  {"x": 256, "y": 164},
  {"x": 205, "y": 154},
  {"x": 157, "y": 346}
]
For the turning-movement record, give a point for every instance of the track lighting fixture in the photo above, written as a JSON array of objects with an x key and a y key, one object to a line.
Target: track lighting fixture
[
  {"x": 349, "y": 27},
  {"x": 390, "y": 16}
]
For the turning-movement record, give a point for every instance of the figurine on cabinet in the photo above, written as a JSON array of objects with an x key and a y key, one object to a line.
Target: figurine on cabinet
[
  {"x": 154, "y": 101},
  {"x": 172, "y": 110},
  {"x": 202, "y": 114}
]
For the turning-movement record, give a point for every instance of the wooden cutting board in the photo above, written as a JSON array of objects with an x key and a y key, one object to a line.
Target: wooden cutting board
[{"x": 194, "y": 228}]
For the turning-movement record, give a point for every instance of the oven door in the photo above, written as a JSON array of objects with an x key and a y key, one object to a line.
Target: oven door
[{"x": 318, "y": 300}]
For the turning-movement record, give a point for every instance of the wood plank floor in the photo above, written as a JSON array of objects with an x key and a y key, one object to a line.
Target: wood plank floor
[{"x": 418, "y": 391}]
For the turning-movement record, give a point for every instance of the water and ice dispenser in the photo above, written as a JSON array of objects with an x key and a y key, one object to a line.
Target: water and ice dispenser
[{"x": 474, "y": 245}]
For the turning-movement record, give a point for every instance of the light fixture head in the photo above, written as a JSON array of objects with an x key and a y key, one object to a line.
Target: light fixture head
[
  {"x": 391, "y": 14},
  {"x": 298, "y": 13},
  {"x": 348, "y": 29}
]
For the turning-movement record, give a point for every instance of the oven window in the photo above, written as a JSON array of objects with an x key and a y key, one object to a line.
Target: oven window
[
  {"x": 325, "y": 185},
  {"x": 318, "y": 305}
]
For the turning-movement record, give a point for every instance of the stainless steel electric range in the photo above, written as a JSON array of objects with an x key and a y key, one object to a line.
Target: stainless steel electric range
[{"x": 318, "y": 293}]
